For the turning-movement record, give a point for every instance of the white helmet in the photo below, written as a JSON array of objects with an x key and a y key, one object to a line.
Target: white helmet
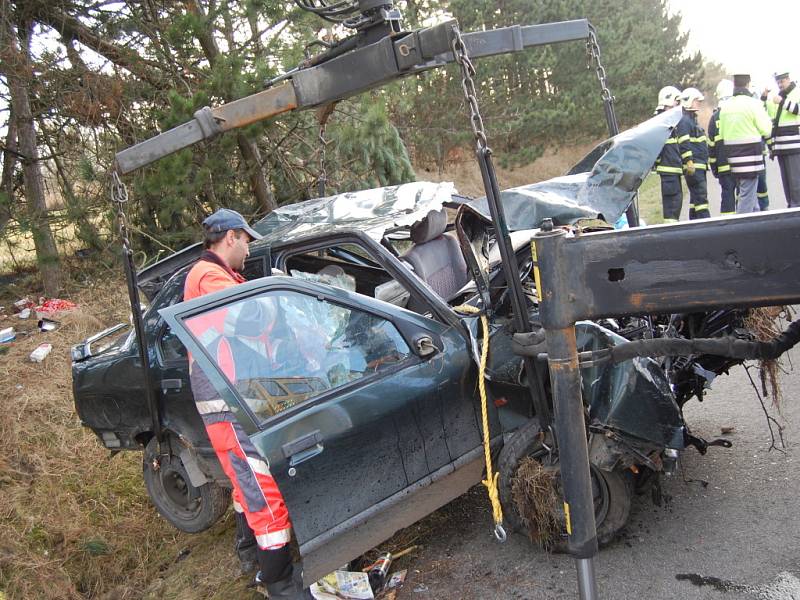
[
  {"x": 668, "y": 96},
  {"x": 724, "y": 89},
  {"x": 689, "y": 95}
]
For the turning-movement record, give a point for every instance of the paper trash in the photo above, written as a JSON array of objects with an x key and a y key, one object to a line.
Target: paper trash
[{"x": 343, "y": 584}]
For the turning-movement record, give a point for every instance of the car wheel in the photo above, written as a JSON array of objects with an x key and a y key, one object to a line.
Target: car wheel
[
  {"x": 611, "y": 490},
  {"x": 190, "y": 509}
]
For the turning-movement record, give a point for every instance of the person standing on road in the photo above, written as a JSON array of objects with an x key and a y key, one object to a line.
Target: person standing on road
[
  {"x": 263, "y": 530},
  {"x": 668, "y": 164},
  {"x": 693, "y": 144},
  {"x": 717, "y": 159},
  {"x": 744, "y": 126},
  {"x": 786, "y": 136}
]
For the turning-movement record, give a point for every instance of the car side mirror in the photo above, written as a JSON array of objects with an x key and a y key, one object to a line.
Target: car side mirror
[{"x": 423, "y": 346}]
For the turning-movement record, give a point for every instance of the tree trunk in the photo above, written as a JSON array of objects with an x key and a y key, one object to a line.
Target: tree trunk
[
  {"x": 18, "y": 73},
  {"x": 7, "y": 179}
]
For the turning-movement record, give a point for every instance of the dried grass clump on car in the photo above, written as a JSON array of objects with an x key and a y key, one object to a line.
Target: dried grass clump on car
[
  {"x": 765, "y": 324},
  {"x": 533, "y": 489}
]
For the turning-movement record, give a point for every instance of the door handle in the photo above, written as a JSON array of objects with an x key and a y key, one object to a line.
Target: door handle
[
  {"x": 303, "y": 448},
  {"x": 304, "y": 455},
  {"x": 171, "y": 384}
]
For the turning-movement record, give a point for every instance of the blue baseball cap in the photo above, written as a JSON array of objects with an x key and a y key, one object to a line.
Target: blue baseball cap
[{"x": 225, "y": 219}]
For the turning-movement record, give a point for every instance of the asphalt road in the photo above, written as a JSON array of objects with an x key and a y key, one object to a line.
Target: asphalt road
[
  {"x": 777, "y": 199},
  {"x": 734, "y": 536}
]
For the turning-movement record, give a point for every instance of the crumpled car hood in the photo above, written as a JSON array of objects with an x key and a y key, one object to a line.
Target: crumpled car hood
[{"x": 618, "y": 167}]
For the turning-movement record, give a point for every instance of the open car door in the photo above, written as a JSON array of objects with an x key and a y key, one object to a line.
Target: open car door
[{"x": 363, "y": 410}]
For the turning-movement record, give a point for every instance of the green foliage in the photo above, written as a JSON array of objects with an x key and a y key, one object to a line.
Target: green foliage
[{"x": 195, "y": 54}]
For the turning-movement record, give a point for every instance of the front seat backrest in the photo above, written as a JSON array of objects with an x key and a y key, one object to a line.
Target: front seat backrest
[{"x": 436, "y": 256}]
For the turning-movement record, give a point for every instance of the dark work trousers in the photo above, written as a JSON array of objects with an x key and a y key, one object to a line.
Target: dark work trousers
[
  {"x": 728, "y": 201},
  {"x": 790, "y": 175},
  {"x": 671, "y": 196},
  {"x": 761, "y": 191},
  {"x": 698, "y": 195}
]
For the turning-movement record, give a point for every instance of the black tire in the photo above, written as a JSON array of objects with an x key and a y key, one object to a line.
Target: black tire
[
  {"x": 611, "y": 490},
  {"x": 188, "y": 508}
]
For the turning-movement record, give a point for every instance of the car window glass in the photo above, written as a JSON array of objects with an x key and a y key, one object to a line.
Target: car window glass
[
  {"x": 253, "y": 268},
  {"x": 282, "y": 347},
  {"x": 348, "y": 267}
]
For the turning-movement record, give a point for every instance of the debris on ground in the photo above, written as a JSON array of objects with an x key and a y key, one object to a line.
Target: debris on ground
[
  {"x": 54, "y": 305},
  {"x": 727, "y": 429},
  {"x": 533, "y": 489},
  {"x": 46, "y": 325},
  {"x": 7, "y": 335},
  {"x": 41, "y": 352},
  {"x": 351, "y": 585},
  {"x": 25, "y": 313}
]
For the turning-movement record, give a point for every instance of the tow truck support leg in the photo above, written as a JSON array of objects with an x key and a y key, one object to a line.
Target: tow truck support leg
[{"x": 573, "y": 455}]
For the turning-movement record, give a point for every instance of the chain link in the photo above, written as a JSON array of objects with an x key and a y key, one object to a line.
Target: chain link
[
  {"x": 322, "y": 180},
  {"x": 468, "y": 86},
  {"x": 119, "y": 196},
  {"x": 593, "y": 54}
]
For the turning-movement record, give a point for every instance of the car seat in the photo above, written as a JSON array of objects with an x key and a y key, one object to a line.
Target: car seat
[{"x": 436, "y": 256}]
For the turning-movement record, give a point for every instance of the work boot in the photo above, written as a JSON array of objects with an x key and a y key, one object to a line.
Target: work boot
[
  {"x": 245, "y": 545},
  {"x": 279, "y": 576},
  {"x": 290, "y": 588}
]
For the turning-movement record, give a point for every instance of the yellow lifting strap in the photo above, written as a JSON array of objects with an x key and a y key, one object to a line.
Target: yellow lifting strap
[{"x": 491, "y": 477}]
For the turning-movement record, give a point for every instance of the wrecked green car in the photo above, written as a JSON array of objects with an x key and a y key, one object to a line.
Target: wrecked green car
[{"x": 369, "y": 415}]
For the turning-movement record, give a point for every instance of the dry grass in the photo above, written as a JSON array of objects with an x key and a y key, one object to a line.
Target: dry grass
[
  {"x": 74, "y": 522},
  {"x": 533, "y": 489}
]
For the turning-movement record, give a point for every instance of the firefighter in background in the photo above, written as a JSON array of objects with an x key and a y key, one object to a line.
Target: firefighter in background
[
  {"x": 717, "y": 160},
  {"x": 693, "y": 146},
  {"x": 744, "y": 126},
  {"x": 668, "y": 164},
  {"x": 786, "y": 136}
]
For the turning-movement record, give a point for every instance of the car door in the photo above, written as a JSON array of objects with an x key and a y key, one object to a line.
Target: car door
[{"x": 350, "y": 399}]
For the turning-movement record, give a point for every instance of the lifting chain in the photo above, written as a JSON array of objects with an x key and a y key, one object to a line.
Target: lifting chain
[
  {"x": 476, "y": 122},
  {"x": 468, "y": 86},
  {"x": 322, "y": 180},
  {"x": 593, "y": 54},
  {"x": 119, "y": 196}
]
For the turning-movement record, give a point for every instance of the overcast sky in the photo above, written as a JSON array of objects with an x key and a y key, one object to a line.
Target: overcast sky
[{"x": 745, "y": 35}]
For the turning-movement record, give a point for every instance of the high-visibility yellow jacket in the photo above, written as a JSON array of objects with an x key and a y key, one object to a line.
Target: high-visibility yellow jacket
[
  {"x": 786, "y": 132},
  {"x": 743, "y": 127}
]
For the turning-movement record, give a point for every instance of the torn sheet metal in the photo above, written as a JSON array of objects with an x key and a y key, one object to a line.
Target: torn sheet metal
[
  {"x": 602, "y": 184},
  {"x": 373, "y": 211},
  {"x": 632, "y": 397}
]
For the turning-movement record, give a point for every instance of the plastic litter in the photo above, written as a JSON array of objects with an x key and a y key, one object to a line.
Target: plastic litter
[
  {"x": 25, "y": 313},
  {"x": 41, "y": 352},
  {"x": 48, "y": 324},
  {"x": 7, "y": 335},
  {"x": 343, "y": 584},
  {"x": 53, "y": 305}
]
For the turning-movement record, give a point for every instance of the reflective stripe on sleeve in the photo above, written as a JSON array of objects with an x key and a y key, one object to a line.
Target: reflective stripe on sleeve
[
  {"x": 205, "y": 407},
  {"x": 683, "y": 138},
  {"x": 275, "y": 539},
  {"x": 665, "y": 169},
  {"x": 686, "y": 154}
]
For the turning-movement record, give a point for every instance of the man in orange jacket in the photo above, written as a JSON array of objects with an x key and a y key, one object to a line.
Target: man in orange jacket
[{"x": 262, "y": 520}]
